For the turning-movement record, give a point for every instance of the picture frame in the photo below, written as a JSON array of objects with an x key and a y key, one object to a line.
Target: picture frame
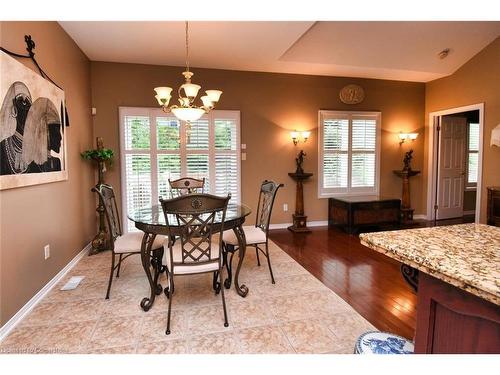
[{"x": 33, "y": 144}]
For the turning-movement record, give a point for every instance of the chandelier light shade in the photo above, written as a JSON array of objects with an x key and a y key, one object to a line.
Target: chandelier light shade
[{"x": 186, "y": 110}]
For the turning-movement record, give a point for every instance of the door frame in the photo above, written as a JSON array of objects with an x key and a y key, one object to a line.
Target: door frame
[{"x": 432, "y": 150}]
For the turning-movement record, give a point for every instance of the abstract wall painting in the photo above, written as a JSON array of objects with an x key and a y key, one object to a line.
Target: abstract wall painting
[{"x": 32, "y": 132}]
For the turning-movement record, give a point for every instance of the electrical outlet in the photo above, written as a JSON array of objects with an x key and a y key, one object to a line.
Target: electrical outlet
[
  {"x": 285, "y": 207},
  {"x": 46, "y": 250}
]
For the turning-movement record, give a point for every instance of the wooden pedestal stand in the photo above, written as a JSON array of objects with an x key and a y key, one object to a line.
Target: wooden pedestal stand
[
  {"x": 299, "y": 219},
  {"x": 406, "y": 210}
]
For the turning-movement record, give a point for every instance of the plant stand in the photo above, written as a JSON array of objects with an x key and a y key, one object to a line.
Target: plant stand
[{"x": 100, "y": 241}]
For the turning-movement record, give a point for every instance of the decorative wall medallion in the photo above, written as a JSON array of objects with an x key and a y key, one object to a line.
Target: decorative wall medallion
[{"x": 352, "y": 94}]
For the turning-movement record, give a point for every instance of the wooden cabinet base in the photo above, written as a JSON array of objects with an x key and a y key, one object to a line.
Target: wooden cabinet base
[{"x": 452, "y": 321}]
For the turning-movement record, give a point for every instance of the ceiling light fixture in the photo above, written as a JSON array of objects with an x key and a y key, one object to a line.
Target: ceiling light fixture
[{"x": 187, "y": 111}]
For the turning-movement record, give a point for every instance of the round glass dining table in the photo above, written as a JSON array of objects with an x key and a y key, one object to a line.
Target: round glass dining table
[{"x": 151, "y": 220}]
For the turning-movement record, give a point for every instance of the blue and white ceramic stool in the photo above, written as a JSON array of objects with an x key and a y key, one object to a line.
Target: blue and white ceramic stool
[{"x": 376, "y": 342}]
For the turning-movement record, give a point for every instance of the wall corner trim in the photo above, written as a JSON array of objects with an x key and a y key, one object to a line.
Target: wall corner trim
[{"x": 26, "y": 309}]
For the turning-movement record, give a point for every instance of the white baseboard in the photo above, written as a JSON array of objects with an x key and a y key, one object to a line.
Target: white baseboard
[
  {"x": 319, "y": 223},
  {"x": 26, "y": 309}
]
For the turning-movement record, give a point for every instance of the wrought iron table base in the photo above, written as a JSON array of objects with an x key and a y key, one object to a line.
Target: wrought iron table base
[
  {"x": 149, "y": 259},
  {"x": 242, "y": 290}
]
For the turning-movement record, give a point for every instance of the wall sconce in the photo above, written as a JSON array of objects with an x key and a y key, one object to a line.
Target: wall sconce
[
  {"x": 405, "y": 136},
  {"x": 295, "y": 136}
]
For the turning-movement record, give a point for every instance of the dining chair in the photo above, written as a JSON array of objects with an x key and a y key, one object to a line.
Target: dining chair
[
  {"x": 121, "y": 245},
  {"x": 195, "y": 240},
  {"x": 258, "y": 234},
  {"x": 186, "y": 185}
]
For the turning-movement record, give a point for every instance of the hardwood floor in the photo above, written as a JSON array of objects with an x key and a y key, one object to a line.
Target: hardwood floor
[{"x": 370, "y": 282}]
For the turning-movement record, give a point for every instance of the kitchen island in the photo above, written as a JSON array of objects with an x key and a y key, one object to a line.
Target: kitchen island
[{"x": 456, "y": 270}]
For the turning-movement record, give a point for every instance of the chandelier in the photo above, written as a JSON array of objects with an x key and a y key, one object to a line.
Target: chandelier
[{"x": 187, "y": 110}]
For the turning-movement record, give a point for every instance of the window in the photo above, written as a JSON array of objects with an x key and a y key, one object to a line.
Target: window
[
  {"x": 156, "y": 146},
  {"x": 349, "y": 144},
  {"x": 472, "y": 154}
]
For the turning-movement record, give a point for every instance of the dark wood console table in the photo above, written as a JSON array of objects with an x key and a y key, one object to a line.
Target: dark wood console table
[{"x": 353, "y": 213}]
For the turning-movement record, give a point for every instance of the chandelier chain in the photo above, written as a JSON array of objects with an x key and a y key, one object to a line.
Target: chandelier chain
[{"x": 187, "y": 46}]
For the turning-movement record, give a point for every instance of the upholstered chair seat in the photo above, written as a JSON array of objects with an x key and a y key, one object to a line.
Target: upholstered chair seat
[
  {"x": 254, "y": 235},
  {"x": 131, "y": 242}
]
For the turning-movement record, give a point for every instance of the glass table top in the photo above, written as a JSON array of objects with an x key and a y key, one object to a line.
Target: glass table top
[{"x": 154, "y": 215}]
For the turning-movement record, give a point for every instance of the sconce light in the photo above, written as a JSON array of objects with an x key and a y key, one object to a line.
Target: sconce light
[
  {"x": 295, "y": 136},
  {"x": 404, "y": 136}
]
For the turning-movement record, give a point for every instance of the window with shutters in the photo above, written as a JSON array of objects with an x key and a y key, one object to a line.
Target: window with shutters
[
  {"x": 156, "y": 146},
  {"x": 472, "y": 154},
  {"x": 349, "y": 153}
]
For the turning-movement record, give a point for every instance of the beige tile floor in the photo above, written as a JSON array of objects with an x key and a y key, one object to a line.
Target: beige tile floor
[{"x": 296, "y": 315}]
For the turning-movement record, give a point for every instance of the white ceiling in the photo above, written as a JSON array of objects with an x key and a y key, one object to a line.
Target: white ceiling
[{"x": 386, "y": 50}]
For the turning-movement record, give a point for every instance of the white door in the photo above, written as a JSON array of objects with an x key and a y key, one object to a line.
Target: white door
[{"x": 451, "y": 167}]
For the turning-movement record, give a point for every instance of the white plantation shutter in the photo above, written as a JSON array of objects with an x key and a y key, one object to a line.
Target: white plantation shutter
[
  {"x": 335, "y": 147},
  {"x": 472, "y": 154},
  {"x": 364, "y": 134},
  {"x": 198, "y": 166},
  {"x": 348, "y": 153},
  {"x": 155, "y": 147},
  {"x": 169, "y": 167},
  {"x": 227, "y": 162},
  {"x": 197, "y": 151},
  {"x": 137, "y": 163}
]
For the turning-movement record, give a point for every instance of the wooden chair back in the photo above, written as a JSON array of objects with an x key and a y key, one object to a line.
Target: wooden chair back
[
  {"x": 267, "y": 194},
  {"x": 190, "y": 220},
  {"x": 107, "y": 199},
  {"x": 186, "y": 185}
]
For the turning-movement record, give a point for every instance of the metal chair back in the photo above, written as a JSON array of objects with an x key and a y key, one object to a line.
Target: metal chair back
[
  {"x": 267, "y": 194},
  {"x": 190, "y": 220},
  {"x": 186, "y": 185},
  {"x": 108, "y": 201}
]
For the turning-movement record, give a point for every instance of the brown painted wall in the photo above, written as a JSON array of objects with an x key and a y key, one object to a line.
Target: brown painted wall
[
  {"x": 271, "y": 105},
  {"x": 62, "y": 213},
  {"x": 477, "y": 81}
]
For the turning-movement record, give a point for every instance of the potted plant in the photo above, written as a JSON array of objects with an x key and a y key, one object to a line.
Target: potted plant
[{"x": 101, "y": 156}]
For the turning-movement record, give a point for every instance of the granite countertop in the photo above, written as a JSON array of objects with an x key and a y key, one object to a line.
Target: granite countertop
[{"x": 465, "y": 255}]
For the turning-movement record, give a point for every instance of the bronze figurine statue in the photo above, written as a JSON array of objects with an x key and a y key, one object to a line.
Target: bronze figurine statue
[
  {"x": 407, "y": 160},
  {"x": 299, "y": 160}
]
